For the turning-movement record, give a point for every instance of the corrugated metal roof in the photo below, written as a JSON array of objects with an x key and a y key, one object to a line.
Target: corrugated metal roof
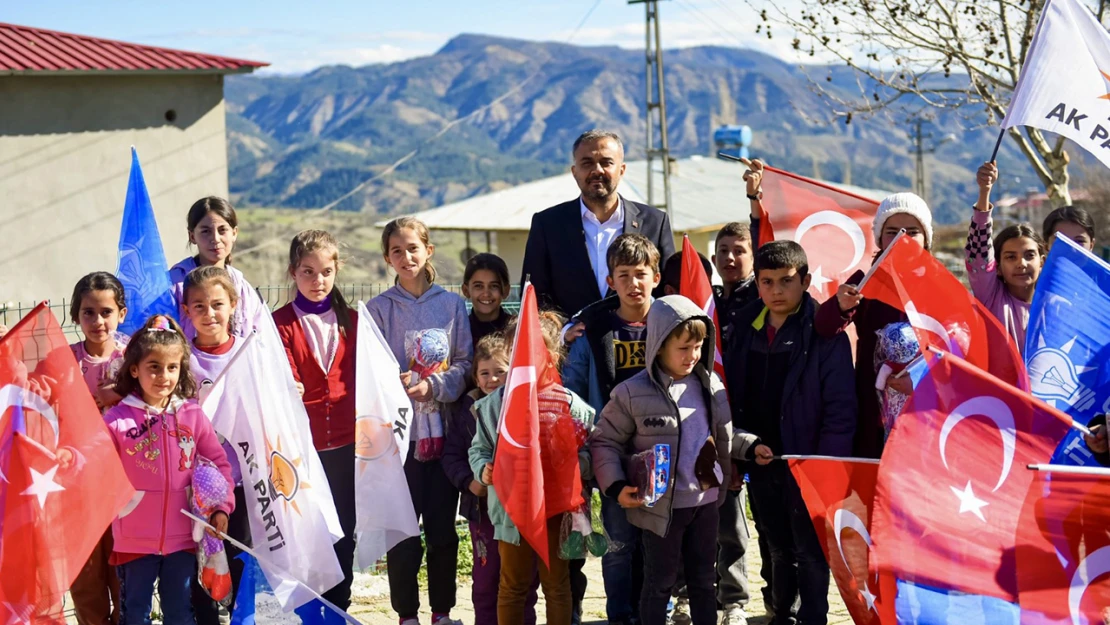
[
  {"x": 706, "y": 193},
  {"x": 27, "y": 50}
]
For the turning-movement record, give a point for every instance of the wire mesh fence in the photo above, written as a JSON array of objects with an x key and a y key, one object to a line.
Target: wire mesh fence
[{"x": 275, "y": 297}]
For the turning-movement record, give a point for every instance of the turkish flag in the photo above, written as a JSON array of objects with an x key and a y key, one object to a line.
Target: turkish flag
[
  {"x": 695, "y": 286},
  {"x": 952, "y": 479},
  {"x": 517, "y": 465},
  {"x": 833, "y": 226},
  {"x": 943, "y": 313},
  {"x": 1063, "y": 548},
  {"x": 840, "y": 493},
  {"x": 63, "y": 481}
]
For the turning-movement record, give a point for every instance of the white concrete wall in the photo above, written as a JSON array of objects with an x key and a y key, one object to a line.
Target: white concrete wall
[{"x": 64, "y": 161}]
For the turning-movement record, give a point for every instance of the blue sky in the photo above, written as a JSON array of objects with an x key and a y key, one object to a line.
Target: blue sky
[{"x": 295, "y": 36}]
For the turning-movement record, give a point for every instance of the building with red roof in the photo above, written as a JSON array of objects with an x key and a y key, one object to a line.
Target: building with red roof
[{"x": 71, "y": 107}]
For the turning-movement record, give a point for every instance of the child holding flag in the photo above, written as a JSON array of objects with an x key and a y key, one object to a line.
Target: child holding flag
[
  {"x": 319, "y": 332},
  {"x": 210, "y": 299},
  {"x": 610, "y": 351},
  {"x": 678, "y": 401},
  {"x": 429, "y": 332},
  {"x": 160, "y": 433},
  {"x": 1004, "y": 275},
  {"x": 901, "y": 211},
  {"x": 491, "y": 363},
  {"x": 792, "y": 389},
  {"x": 98, "y": 306},
  {"x": 518, "y": 559},
  {"x": 213, "y": 227}
]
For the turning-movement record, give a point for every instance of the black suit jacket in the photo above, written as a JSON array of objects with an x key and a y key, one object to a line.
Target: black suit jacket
[{"x": 556, "y": 258}]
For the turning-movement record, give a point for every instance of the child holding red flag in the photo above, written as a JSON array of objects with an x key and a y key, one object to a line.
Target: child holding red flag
[
  {"x": 557, "y": 405},
  {"x": 1004, "y": 275},
  {"x": 676, "y": 400},
  {"x": 901, "y": 211},
  {"x": 98, "y": 306},
  {"x": 160, "y": 433}
]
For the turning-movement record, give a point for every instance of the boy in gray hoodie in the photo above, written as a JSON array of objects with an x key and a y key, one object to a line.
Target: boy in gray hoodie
[{"x": 677, "y": 401}]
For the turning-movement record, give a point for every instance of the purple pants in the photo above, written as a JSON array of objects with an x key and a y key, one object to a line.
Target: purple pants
[{"x": 487, "y": 574}]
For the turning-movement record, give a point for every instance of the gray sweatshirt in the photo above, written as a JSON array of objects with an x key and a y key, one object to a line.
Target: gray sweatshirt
[{"x": 399, "y": 315}]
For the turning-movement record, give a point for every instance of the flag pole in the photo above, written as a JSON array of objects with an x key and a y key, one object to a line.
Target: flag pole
[
  {"x": 879, "y": 260},
  {"x": 997, "y": 145},
  {"x": 347, "y": 617},
  {"x": 1059, "y": 468},
  {"x": 816, "y": 457}
]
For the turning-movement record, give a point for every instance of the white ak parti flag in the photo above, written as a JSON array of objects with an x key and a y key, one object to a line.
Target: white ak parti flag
[
  {"x": 254, "y": 404},
  {"x": 385, "y": 514},
  {"x": 1064, "y": 85}
]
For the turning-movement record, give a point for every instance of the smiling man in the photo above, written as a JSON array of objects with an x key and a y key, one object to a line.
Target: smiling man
[{"x": 567, "y": 244}]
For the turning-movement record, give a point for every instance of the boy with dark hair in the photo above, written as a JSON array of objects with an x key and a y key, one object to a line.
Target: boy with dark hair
[
  {"x": 794, "y": 389},
  {"x": 609, "y": 352},
  {"x": 677, "y": 401},
  {"x": 672, "y": 272},
  {"x": 733, "y": 257}
]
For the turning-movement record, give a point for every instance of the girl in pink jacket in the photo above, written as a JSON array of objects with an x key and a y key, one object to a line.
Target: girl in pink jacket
[{"x": 160, "y": 434}]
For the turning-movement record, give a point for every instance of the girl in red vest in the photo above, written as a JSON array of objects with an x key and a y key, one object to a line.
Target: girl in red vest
[{"x": 318, "y": 330}]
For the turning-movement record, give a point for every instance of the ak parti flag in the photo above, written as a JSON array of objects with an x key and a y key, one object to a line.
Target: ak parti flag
[
  {"x": 62, "y": 482},
  {"x": 953, "y": 479},
  {"x": 517, "y": 466},
  {"x": 943, "y": 313},
  {"x": 832, "y": 225},
  {"x": 695, "y": 286},
  {"x": 142, "y": 262},
  {"x": 1063, "y": 550},
  {"x": 840, "y": 494}
]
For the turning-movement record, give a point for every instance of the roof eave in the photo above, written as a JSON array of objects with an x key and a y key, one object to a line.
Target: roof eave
[{"x": 207, "y": 71}]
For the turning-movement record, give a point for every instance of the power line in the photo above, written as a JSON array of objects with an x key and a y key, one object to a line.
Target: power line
[{"x": 309, "y": 214}]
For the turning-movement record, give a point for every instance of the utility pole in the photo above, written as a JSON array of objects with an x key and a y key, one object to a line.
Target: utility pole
[
  {"x": 656, "y": 107},
  {"x": 920, "y": 151}
]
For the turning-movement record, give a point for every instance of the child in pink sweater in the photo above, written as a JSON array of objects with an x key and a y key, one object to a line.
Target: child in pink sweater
[
  {"x": 160, "y": 434},
  {"x": 1004, "y": 275}
]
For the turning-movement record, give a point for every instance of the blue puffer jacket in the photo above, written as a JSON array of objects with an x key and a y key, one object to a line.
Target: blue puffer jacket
[{"x": 818, "y": 400}]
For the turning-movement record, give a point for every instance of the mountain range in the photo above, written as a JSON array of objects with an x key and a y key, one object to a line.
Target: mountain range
[{"x": 305, "y": 141}]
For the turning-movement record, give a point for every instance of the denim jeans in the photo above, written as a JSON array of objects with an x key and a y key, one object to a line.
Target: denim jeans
[
  {"x": 174, "y": 574},
  {"x": 622, "y": 569}
]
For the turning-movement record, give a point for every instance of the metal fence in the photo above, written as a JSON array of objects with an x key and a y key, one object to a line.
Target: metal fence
[{"x": 275, "y": 297}]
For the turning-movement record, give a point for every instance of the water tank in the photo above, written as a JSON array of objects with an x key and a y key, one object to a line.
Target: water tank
[{"x": 733, "y": 140}]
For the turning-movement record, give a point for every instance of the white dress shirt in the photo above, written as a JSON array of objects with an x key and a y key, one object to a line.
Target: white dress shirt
[{"x": 599, "y": 236}]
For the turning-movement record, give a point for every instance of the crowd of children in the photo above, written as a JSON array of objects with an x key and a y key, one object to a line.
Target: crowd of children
[{"x": 637, "y": 374}]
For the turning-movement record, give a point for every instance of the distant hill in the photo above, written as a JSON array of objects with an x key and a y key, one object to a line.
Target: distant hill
[{"x": 304, "y": 141}]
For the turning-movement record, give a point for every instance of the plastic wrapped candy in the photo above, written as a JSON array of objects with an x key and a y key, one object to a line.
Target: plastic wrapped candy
[
  {"x": 581, "y": 536},
  {"x": 896, "y": 348},
  {"x": 650, "y": 472},
  {"x": 430, "y": 352},
  {"x": 210, "y": 489}
]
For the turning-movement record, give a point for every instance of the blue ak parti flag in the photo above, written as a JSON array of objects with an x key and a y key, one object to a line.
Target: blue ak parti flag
[
  {"x": 142, "y": 264},
  {"x": 1067, "y": 345}
]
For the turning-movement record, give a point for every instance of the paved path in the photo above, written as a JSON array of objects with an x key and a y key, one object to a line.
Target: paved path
[{"x": 371, "y": 604}]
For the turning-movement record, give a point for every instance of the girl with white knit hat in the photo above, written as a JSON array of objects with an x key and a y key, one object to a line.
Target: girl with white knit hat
[{"x": 901, "y": 211}]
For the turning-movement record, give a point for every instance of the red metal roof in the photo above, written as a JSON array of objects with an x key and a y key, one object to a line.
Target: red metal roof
[{"x": 26, "y": 50}]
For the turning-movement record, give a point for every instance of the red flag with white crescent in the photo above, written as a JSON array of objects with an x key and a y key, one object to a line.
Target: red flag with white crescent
[
  {"x": 840, "y": 495},
  {"x": 695, "y": 286},
  {"x": 517, "y": 466},
  {"x": 61, "y": 480},
  {"x": 834, "y": 226}
]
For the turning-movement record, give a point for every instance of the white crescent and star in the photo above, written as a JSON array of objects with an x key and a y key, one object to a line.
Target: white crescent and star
[
  {"x": 1003, "y": 418},
  {"x": 42, "y": 484},
  {"x": 931, "y": 325},
  {"x": 836, "y": 220},
  {"x": 517, "y": 377},
  {"x": 1089, "y": 569},
  {"x": 846, "y": 519},
  {"x": 12, "y": 396}
]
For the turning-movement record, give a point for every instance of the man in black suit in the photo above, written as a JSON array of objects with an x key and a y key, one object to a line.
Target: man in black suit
[{"x": 565, "y": 253}]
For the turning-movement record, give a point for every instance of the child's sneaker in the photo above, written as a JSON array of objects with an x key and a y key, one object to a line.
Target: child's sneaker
[
  {"x": 681, "y": 615},
  {"x": 734, "y": 614},
  {"x": 410, "y": 621},
  {"x": 445, "y": 620}
]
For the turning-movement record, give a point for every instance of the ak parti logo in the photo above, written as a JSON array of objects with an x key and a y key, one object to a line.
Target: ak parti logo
[{"x": 1106, "y": 78}]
